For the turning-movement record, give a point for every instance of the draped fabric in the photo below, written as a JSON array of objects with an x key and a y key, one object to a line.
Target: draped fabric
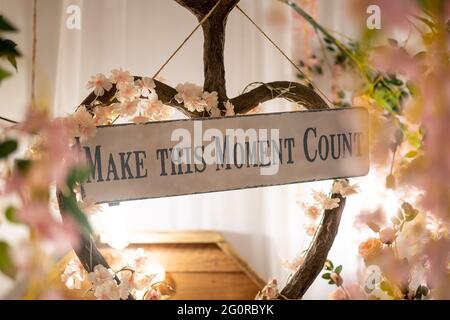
[{"x": 263, "y": 224}]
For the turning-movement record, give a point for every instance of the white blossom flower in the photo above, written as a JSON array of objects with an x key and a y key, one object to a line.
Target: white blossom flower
[
  {"x": 269, "y": 292},
  {"x": 229, "y": 109},
  {"x": 99, "y": 83},
  {"x": 81, "y": 124},
  {"x": 146, "y": 85},
  {"x": 343, "y": 188},
  {"x": 325, "y": 201},
  {"x": 100, "y": 275},
  {"x": 137, "y": 260},
  {"x": 74, "y": 274},
  {"x": 110, "y": 290},
  {"x": 294, "y": 264}
]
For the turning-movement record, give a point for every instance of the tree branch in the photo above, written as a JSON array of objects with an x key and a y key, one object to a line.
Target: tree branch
[
  {"x": 317, "y": 254},
  {"x": 291, "y": 91}
]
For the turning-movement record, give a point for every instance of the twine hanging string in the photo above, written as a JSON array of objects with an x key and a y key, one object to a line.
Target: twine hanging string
[
  {"x": 261, "y": 31},
  {"x": 187, "y": 38},
  {"x": 285, "y": 56},
  {"x": 33, "y": 59}
]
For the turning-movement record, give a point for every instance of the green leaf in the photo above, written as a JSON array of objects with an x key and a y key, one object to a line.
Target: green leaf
[
  {"x": 7, "y": 147},
  {"x": 411, "y": 154},
  {"x": 4, "y": 74},
  {"x": 326, "y": 276},
  {"x": 329, "y": 265},
  {"x": 409, "y": 211},
  {"x": 23, "y": 165},
  {"x": 8, "y": 47},
  {"x": 5, "y": 25},
  {"x": 13, "y": 61},
  {"x": 6, "y": 264},
  {"x": 338, "y": 269},
  {"x": 10, "y": 215},
  {"x": 78, "y": 175}
]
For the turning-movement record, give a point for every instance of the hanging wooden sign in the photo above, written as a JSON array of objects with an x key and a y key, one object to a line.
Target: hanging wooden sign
[{"x": 181, "y": 157}]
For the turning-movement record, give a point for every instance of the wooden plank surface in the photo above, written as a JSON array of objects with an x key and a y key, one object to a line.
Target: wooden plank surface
[
  {"x": 160, "y": 237},
  {"x": 199, "y": 265},
  {"x": 190, "y": 257},
  {"x": 212, "y": 286}
]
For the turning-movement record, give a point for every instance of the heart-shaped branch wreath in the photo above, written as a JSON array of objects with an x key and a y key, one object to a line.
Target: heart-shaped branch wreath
[{"x": 214, "y": 71}]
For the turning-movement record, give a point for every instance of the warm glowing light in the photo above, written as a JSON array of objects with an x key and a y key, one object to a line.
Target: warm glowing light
[{"x": 156, "y": 269}]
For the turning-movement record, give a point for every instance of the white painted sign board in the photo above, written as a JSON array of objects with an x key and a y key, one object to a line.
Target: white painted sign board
[{"x": 132, "y": 161}]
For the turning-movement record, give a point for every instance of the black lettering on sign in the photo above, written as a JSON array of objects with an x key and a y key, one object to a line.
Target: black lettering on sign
[
  {"x": 130, "y": 164},
  {"x": 331, "y": 146}
]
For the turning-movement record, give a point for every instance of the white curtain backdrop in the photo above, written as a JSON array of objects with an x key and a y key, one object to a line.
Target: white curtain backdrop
[{"x": 262, "y": 224}]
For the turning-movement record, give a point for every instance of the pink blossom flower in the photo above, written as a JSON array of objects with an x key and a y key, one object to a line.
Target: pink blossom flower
[
  {"x": 191, "y": 95},
  {"x": 128, "y": 93},
  {"x": 338, "y": 294},
  {"x": 294, "y": 264},
  {"x": 146, "y": 85},
  {"x": 129, "y": 108},
  {"x": 153, "y": 294},
  {"x": 229, "y": 109},
  {"x": 38, "y": 217},
  {"x": 387, "y": 235},
  {"x": 140, "y": 119},
  {"x": 325, "y": 201},
  {"x": 156, "y": 110},
  {"x": 106, "y": 114},
  {"x": 99, "y": 83},
  {"x": 81, "y": 124},
  {"x": 310, "y": 229},
  {"x": 211, "y": 100},
  {"x": 373, "y": 219},
  {"x": 34, "y": 121},
  {"x": 396, "y": 60},
  {"x": 215, "y": 112},
  {"x": 313, "y": 212},
  {"x": 121, "y": 77}
]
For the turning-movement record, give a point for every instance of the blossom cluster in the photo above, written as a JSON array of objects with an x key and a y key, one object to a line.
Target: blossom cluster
[
  {"x": 134, "y": 99},
  {"x": 133, "y": 279}
]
